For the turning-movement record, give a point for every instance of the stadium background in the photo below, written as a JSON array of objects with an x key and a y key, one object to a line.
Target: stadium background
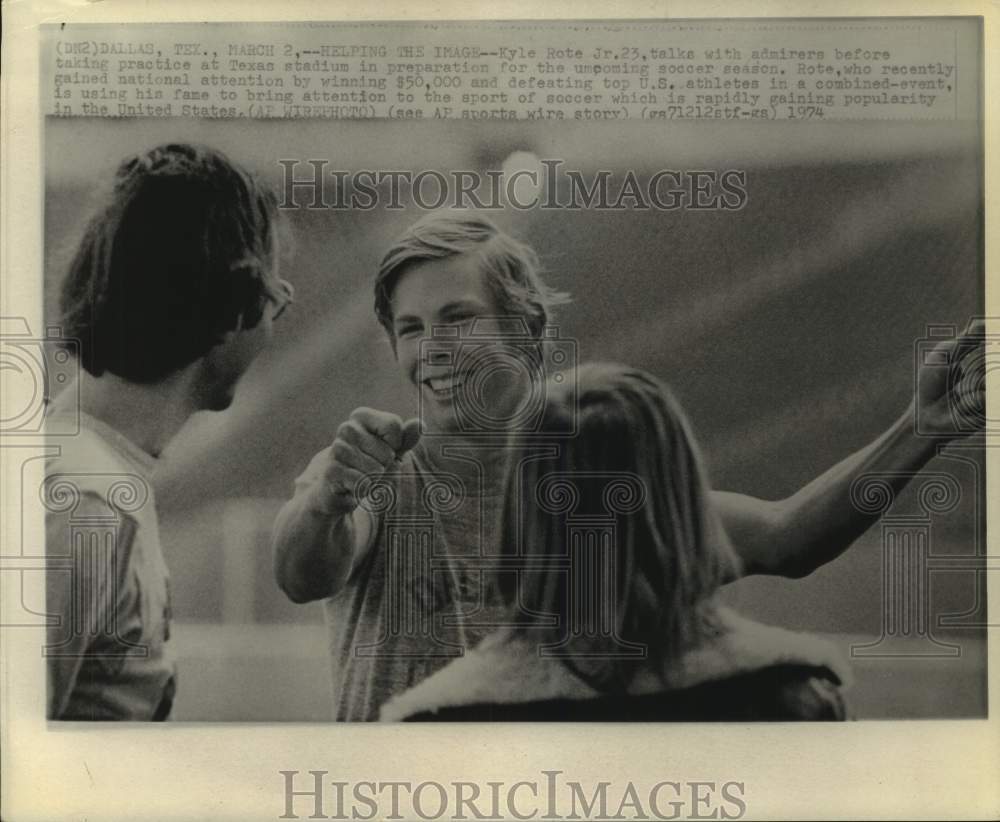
[{"x": 788, "y": 329}]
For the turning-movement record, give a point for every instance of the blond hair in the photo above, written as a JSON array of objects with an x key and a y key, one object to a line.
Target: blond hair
[
  {"x": 671, "y": 552},
  {"x": 511, "y": 268}
]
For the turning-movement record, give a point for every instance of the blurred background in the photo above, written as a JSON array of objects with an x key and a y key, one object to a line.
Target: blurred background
[{"x": 787, "y": 329}]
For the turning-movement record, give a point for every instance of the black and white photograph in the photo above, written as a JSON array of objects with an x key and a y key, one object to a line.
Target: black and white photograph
[{"x": 627, "y": 374}]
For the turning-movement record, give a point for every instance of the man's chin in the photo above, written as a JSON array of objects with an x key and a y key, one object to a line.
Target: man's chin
[
  {"x": 218, "y": 401},
  {"x": 437, "y": 426},
  {"x": 222, "y": 405},
  {"x": 449, "y": 419},
  {"x": 442, "y": 423}
]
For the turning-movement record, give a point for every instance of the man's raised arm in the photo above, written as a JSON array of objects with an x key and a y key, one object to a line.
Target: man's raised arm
[
  {"x": 321, "y": 534},
  {"x": 795, "y": 536}
]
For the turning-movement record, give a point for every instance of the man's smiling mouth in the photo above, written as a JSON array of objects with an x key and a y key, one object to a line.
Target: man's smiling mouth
[{"x": 444, "y": 386}]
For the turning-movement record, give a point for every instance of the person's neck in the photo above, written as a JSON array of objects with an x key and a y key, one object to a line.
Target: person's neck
[
  {"x": 479, "y": 463},
  {"x": 147, "y": 415}
]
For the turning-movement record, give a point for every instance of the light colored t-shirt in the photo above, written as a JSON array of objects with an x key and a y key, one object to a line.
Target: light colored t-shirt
[
  {"x": 107, "y": 586},
  {"x": 424, "y": 592}
]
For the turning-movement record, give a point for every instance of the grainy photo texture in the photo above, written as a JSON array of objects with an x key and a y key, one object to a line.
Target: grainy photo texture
[{"x": 624, "y": 371}]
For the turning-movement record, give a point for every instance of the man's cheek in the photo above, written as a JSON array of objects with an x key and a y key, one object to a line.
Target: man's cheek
[{"x": 410, "y": 366}]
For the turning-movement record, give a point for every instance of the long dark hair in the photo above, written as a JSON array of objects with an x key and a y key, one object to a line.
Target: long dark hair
[{"x": 182, "y": 251}]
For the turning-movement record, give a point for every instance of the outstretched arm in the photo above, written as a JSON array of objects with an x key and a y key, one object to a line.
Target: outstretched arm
[
  {"x": 316, "y": 544},
  {"x": 321, "y": 534},
  {"x": 795, "y": 536}
]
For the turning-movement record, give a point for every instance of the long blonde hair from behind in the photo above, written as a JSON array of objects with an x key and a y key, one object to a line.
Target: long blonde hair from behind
[{"x": 671, "y": 552}]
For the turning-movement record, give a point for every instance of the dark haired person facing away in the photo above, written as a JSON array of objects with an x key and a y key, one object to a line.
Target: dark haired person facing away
[{"x": 171, "y": 295}]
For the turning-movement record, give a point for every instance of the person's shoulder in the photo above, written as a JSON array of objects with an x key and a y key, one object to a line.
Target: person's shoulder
[
  {"x": 501, "y": 670},
  {"x": 746, "y": 670},
  {"x": 109, "y": 541},
  {"x": 85, "y": 451},
  {"x": 781, "y": 693},
  {"x": 91, "y": 484},
  {"x": 87, "y": 465},
  {"x": 738, "y": 645},
  {"x": 806, "y": 693}
]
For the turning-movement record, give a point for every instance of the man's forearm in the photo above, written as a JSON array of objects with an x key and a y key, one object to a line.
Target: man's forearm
[
  {"x": 795, "y": 536},
  {"x": 313, "y": 549}
]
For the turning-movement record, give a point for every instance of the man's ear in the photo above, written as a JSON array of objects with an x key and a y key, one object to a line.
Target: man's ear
[
  {"x": 223, "y": 337},
  {"x": 241, "y": 325}
]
